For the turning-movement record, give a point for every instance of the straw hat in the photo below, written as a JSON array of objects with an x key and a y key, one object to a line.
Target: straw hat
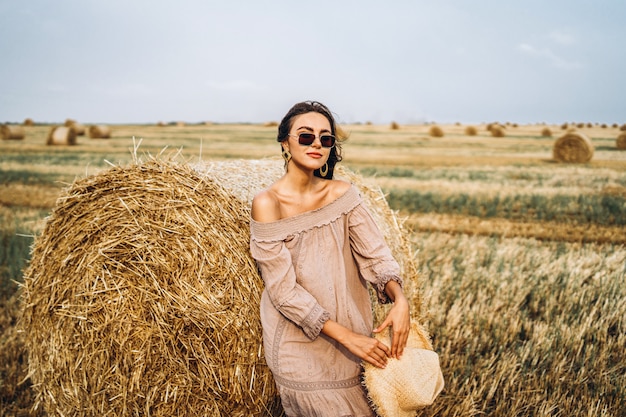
[{"x": 407, "y": 384}]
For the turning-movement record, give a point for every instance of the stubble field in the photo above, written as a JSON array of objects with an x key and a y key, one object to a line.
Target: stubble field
[{"x": 522, "y": 260}]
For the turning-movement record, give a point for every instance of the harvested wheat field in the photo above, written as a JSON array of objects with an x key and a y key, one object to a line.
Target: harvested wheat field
[{"x": 517, "y": 260}]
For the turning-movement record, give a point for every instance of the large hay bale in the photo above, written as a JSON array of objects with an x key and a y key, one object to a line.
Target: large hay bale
[
  {"x": 436, "y": 131},
  {"x": 99, "y": 132},
  {"x": 546, "y": 132},
  {"x": 620, "y": 142},
  {"x": 61, "y": 135},
  {"x": 12, "y": 132},
  {"x": 574, "y": 147},
  {"x": 141, "y": 297}
]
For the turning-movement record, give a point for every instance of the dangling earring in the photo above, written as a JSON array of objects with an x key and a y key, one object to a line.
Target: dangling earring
[
  {"x": 324, "y": 170},
  {"x": 286, "y": 155}
]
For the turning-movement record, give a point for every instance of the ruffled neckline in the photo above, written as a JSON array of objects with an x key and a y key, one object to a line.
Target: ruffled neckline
[{"x": 319, "y": 217}]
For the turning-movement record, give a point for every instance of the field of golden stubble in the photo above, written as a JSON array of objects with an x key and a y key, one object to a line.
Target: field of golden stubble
[{"x": 522, "y": 259}]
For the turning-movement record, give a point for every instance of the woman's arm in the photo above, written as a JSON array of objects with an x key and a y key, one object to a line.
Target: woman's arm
[
  {"x": 398, "y": 318},
  {"x": 365, "y": 347}
]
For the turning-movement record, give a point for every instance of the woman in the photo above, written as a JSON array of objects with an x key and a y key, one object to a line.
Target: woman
[{"x": 317, "y": 246}]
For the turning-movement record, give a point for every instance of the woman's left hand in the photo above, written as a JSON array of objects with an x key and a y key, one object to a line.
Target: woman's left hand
[{"x": 399, "y": 320}]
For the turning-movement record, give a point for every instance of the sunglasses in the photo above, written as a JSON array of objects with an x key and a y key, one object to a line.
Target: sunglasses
[{"x": 306, "y": 139}]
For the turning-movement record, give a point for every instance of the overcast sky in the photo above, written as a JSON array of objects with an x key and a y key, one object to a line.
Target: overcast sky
[{"x": 410, "y": 61}]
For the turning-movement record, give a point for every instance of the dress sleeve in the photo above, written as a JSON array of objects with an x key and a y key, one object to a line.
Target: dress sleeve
[
  {"x": 371, "y": 253},
  {"x": 290, "y": 299}
]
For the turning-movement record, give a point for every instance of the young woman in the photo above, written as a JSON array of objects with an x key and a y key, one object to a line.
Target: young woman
[{"x": 317, "y": 247}]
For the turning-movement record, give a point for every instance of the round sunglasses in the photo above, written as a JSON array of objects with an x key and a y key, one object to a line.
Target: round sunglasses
[{"x": 306, "y": 139}]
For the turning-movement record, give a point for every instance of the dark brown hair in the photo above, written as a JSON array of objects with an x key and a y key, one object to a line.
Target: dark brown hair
[{"x": 307, "y": 107}]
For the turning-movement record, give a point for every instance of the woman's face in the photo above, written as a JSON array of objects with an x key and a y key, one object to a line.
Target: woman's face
[{"x": 312, "y": 156}]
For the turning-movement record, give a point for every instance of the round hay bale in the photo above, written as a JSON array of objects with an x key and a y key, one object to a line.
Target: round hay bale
[
  {"x": 12, "y": 132},
  {"x": 142, "y": 298},
  {"x": 573, "y": 147},
  {"x": 29, "y": 122},
  {"x": 99, "y": 132},
  {"x": 61, "y": 135},
  {"x": 546, "y": 132},
  {"x": 620, "y": 142},
  {"x": 78, "y": 128},
  {"x": 564, "y": 126},
  {"x": 497, "y": 131},
  {"x": 623, "y": 127},
  {"x": 471, "y": 131},
  {"x": 394, "y": 126},
  {"x": 435, "y": 131}
]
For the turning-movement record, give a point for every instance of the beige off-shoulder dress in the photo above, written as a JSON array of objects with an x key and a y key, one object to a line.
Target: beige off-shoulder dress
[{"x": 316, "y": 266}]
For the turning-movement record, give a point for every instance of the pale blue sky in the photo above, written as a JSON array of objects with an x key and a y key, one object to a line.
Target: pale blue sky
[{"x": 143, "y": 61}]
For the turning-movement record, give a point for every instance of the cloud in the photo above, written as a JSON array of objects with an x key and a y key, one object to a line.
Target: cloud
[{"x": 546, "y": 53}]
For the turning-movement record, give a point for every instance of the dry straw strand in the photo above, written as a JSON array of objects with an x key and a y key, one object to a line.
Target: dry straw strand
[
  {"x": 141, "y": 296},
  {"x": 573, "y": 147},
  {"x": 12, "y": 132},
  {"x": 61, "y": 135}
]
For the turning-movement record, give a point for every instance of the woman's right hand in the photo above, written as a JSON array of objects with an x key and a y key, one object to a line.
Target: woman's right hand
[
  {"x": 368, "y": 349},
  {"x": 364, "y": 347}
]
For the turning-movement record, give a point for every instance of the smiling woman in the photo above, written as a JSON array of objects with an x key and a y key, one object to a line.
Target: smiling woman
[{"x": 318, "y": 249}]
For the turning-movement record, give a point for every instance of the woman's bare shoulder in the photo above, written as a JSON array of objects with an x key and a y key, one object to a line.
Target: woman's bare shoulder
[
  {"x": 265, "y": 206},
  {"x": 339, "y": 188}
]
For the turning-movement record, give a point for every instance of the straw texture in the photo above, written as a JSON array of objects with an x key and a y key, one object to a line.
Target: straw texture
[
  {"x": 141, "y": 297},
  {"x": 574, "y": 147}
]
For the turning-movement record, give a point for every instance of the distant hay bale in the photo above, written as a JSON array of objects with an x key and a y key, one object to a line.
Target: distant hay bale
[
  {"x": 574, "y": 147},
  {"x": 29, "y": 122},
  {"x": 271, "y": 123},
  {"x": 546, "y": 132},
  {"x": 497, "y": 131},
  {"x": 620, "y": 142},
  {"x": 181, "y": 124},
  {"x": 78, "y": 127},
  {"x": 141, "y": 297},
  {"x": 394, "y": 126},
  {"x": 623, "y": 127},
  {"x": 99, "y": 132},
  {"x": 471, "y": 131},
  {"x": 61, "y": 135},
  {"x": 564, "y": 126},
  {"x": 436, "y": 131},
  {"x": 12, "y": 132}
]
